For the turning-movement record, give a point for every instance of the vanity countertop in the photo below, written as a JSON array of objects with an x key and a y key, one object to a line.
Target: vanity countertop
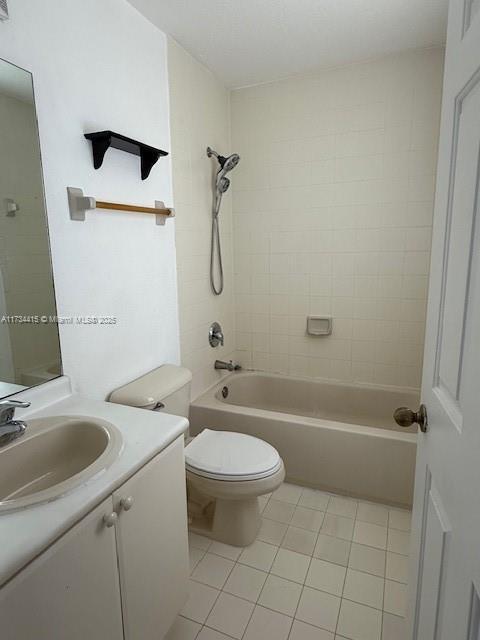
[{"x": 27, "y": 532}]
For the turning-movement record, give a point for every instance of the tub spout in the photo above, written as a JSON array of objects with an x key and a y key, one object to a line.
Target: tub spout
[{"x": 229, "y": 366}]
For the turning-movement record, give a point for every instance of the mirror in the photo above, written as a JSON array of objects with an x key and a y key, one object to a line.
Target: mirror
[{"x": 29, "y": 342}]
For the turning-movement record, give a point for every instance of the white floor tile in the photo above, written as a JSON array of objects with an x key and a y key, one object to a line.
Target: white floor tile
[
  {"x": 195, "y": 556},
  {"x": 291, "y": 565},
  {"x": 267, "y": 625},
  {"x": 245, "y": 582},
  {"x": 275, "y": 590},
  {"x": 374, "y": 513},
  {"x": 307, "y": 519},
  {"x": 397, "y": 567},
  {"x": 398, "y": 541},
  {"x": 400, "y": 519},
  {"x": 183, "y": 629},
  {"x": 259, "y": 555},
  {"x": 212, "y": 570},
  {"x": 369, "y": 534},
  {"x": 300, "y": 540},
  {"x": 225, "y": 550},
  {"x": 318, "y": 608},
  {"x": 342, "y": 507},
  {"x": 211, "y": 634},
  {"x": 272, "y": 532},
  {"x": 394, "y": 627},
  {"x": 280, "y": 595},
  {"x": 230, "y": 615},
  {"x": 364, "y": 588},
  {"x": 314, "y": 499},
  {"x": 337, "y": 526},
  {"x": 358, "y": 622},
  {"x": 201, "y": 599},
  {"x": 200, "y": 542},
  {"x": 279, "y": 511},
  {"x": 288, "y": 493},
  {"x": 395, "y": 600},
  {"x": 304, "y": 631},
  {"x": 326, "y": 576},
  {"x": 332, "y": 549},
  {"x": 367, "y": 559}
]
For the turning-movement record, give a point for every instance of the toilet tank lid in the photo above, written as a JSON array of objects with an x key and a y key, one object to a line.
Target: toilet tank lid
[{"x": 152, "y": 387}]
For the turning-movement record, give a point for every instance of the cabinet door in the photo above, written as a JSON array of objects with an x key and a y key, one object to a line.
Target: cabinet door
[
  {"x": 70, "y": 591},
  {"x": 152, "y": 545}
]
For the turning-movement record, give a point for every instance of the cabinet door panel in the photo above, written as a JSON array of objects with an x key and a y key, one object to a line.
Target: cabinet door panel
[
  {"x": 152, "y": 545},
  {"x": 70, "y": 591}
]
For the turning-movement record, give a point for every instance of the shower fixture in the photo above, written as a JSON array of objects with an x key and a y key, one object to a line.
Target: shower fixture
[{"x": 220, "y": 186}]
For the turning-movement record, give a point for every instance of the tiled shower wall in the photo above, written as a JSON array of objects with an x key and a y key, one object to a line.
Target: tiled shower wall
[
  {"x": 199, "y": 116},
  {"x": 332, "y": 215}
]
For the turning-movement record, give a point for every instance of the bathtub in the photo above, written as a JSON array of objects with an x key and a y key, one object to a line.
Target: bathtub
[{"x": 332, "y": 436}]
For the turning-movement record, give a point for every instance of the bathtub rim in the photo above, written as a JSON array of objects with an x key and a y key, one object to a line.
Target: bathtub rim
[{"x": 209, "y": 400}]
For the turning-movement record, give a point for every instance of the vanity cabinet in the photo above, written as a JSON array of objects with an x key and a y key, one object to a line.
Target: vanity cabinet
[
  {"x": 120, "y": 573},
  {"x": 152, "y": 546}
]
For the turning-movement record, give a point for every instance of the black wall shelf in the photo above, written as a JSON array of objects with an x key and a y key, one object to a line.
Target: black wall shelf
[{"x": 102, "y": 140}]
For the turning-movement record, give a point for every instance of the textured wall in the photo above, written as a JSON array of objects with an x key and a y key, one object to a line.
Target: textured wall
[
  {"x": 101, "y": 65},
  {"x": 332, "y": 215}
]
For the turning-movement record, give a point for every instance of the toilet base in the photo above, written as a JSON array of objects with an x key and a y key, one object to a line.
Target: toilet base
[
  {"x": 228, "y": 512},
  {"x": 234, "y": 522}
]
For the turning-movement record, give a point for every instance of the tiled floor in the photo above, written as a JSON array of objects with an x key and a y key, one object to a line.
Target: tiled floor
[{"x": 323, "y": 567}]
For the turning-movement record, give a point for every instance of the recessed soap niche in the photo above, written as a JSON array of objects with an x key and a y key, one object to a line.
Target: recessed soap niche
[{"x": 319, "y": 325}]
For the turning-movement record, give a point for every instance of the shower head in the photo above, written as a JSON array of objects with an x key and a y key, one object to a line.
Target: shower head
[
  {"x": 223, "y": 184},
  {"x": 229, "y": 163},
  {"x": 226, "y": 163}
]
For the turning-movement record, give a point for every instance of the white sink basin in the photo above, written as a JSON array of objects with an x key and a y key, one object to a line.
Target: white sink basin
[{"x": 55, "y": 455}]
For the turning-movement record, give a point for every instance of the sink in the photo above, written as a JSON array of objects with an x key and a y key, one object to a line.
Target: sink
[{"x": 56, "y": 455}]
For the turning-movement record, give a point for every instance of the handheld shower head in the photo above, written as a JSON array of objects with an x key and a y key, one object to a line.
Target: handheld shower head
[{"x": 223, "y": 184}]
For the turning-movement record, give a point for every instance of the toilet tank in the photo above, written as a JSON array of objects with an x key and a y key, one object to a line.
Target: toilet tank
[{"x": 164, "y": 389}]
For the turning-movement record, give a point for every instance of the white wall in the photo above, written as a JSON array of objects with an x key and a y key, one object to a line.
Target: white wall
[
  {"x": 199, "y": 115},
  {"x": 332, "y": 210},
  {"x": 100, "y": 65}
]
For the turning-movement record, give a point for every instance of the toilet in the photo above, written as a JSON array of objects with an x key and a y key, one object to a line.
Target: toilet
[{"x": 226, "y": 472}]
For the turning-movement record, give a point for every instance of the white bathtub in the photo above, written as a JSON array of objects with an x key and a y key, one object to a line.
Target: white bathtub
[{"x": 332, "y": 436}]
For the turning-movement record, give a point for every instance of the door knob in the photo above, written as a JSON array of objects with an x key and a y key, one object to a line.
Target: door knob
[
  {"x": 110, "y": 519},
  {"x": 405, "y": 417},
  {"x": 126, "y": 503}
]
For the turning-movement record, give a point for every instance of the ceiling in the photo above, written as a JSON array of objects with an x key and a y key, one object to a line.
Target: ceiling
[{"x": 252, "y": 41}]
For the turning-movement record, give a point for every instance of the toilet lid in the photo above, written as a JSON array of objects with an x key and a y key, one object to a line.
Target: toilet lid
[{"x": 224, "y": 455}]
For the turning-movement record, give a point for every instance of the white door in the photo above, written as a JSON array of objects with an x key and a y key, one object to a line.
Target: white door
[
  {"x": 152, "y": 545},
  {"x": 71, "y": 591},
  {"x": 445, "y": 598}
]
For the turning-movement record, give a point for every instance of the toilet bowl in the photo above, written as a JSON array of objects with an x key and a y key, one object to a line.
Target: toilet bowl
[{"x": 226, "y": 473}]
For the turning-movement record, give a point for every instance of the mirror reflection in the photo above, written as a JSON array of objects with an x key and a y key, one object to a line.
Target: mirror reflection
[{"x": 29, "y": 344}]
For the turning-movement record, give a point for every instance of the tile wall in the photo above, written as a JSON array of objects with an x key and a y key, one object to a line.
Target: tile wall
[{"x": 332, "y": 213}]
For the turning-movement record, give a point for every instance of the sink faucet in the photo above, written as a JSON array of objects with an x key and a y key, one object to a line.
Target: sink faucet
[
  {"x": 229, "y": 366},
  {"x": 11, "y": 429}
]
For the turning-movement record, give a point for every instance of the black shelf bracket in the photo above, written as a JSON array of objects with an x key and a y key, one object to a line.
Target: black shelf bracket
[{"x": 103, "y": 140}]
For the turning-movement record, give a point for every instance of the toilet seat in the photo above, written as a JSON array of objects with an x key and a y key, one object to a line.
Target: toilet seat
[{"x": 229, "y": 456}]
